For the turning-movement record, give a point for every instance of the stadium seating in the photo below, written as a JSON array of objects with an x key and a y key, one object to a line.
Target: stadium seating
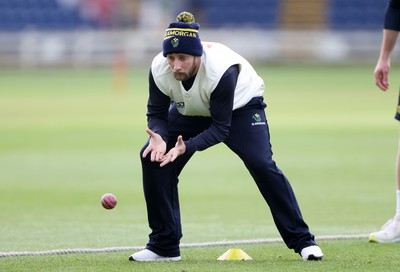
[
  {"x": 228, "y": 13},
  {"x": 356, "y": 14},
  {"x": 18, "y": 15}
]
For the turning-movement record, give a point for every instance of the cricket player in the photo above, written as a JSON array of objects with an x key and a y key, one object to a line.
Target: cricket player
[{"x": 202, "y": 94}]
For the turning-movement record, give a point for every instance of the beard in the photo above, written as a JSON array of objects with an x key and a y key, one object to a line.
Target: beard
[
  {"x": 181, "y": 76},
  {"x": 185, "y": 76}
]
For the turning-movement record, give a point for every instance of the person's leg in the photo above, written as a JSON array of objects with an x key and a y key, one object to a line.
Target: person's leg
[
  {"x": 397, "y": 117},
  {"x": 398, "y": 180},
  {"x": 160, "y": 185},
  {"x": 390, "y": 231},
  {"x": 249, "y": 138}
]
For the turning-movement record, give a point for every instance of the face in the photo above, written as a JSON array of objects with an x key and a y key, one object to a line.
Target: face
[{"x": 183, "y": 66}]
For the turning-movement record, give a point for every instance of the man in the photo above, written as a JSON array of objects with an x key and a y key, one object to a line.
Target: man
[
  {"x": 390, "y": 232},
  {"x": 202, "y": 94}
]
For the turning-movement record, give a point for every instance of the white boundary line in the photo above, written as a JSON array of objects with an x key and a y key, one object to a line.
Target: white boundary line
[{"x": 191, "y": 245}]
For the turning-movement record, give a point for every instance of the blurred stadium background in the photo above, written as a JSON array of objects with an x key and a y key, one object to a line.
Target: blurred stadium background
[{"x": 79, "y": 33}]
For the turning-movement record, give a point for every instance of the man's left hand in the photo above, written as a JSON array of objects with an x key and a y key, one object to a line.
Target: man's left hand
[{"x": 175, "y": 152}]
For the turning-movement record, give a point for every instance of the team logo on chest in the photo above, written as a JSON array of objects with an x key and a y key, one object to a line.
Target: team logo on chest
[{"x": 180, "y": 104}]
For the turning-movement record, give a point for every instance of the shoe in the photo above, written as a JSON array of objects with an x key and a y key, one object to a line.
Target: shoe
[
  {"x": 311, "y": 253},
  {"x": 149, "y": 256},
  {"x": 389, "y": 233}
]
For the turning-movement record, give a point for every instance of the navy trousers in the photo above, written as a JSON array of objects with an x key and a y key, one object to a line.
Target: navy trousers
[{"x": 249, "y": 138}]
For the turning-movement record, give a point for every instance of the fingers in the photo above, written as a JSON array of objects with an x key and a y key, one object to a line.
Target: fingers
[
  {"x": 155, "y": 156},
  {"x": 180, "y": 140},
  {"x": 166, "y": 161},
  {"x": 178, "y": 150},
  {"x": 150, "y": 132},
  {"x": 158, "y": 156},
  {"x": 381, "y": 75},
  {"x": 383, "y": 85},
  {"x": 169, "y": 157},
  {"x": 381, "y": 80},
  {"x": 146, "y": 151},
  {"x": 156, "y": 147},
  {"x": 380, "y": 85},
  {"x": 148, "y": 148}
]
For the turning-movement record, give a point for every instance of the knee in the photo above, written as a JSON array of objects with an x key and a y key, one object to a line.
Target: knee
[{"x": 265, "y": 164}]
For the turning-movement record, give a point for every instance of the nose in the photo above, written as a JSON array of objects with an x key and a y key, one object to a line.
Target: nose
[{"x": 175, "y": 67}]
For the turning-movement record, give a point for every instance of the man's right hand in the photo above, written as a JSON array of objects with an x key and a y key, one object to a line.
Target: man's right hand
[
  {"x": 157, "y": 147},
  {"x": 381, "y": 74}
]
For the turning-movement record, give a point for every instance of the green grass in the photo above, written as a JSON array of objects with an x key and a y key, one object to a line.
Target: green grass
[
  {"x": 348, "y": 255},
  {"x": 69, "y": 136}
]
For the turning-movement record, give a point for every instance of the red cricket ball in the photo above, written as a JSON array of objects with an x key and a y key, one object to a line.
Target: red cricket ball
[{"x": 108, "y": 201}]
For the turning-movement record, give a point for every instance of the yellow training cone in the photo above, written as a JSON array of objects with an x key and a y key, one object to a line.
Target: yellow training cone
[{"x": 234, "y": 254}]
